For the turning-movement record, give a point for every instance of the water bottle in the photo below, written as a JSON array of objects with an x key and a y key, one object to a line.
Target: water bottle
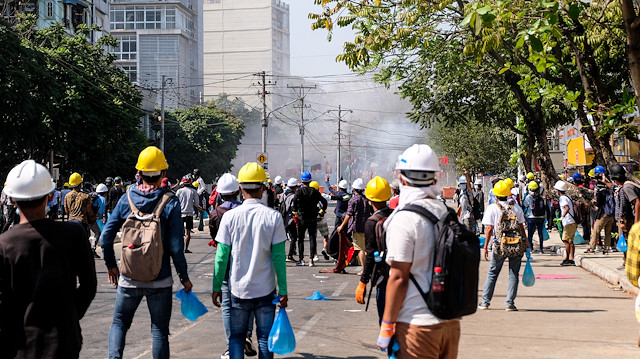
[
  {"x": 437, "y": 283},
  {"x": 377, "y": 257}
]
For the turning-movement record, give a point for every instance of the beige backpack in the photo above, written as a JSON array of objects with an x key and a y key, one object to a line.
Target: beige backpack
[{"x": 142, "y": 249}]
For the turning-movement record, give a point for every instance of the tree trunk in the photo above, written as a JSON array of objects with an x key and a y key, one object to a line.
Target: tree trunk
[
  {"x": 601, "y": 146},
  {"x": 632, "y": 27}
]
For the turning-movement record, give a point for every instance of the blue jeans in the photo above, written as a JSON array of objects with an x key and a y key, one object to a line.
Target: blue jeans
[
  {"x": 532, "y": 225},
  {"x": 495, "y": 266},
  {"x": 226, "y": 312},
  {"x": 127, "y": 301},
  {"x": 241, "y": 309}
]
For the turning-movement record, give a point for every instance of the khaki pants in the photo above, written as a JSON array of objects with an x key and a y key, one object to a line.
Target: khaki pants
[
  {"x": 438, "y": 341},
  {"x": 605, "y": 222}
]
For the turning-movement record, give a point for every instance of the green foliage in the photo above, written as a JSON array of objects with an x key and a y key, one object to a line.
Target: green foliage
[{"x": 206, "y": 138}]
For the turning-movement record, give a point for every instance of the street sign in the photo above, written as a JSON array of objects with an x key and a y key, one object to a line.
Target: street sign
[{"x": 262, "y": 157}]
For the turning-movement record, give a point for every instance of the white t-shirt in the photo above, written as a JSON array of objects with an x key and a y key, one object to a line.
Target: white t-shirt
[
  {"x": 569, "y": 218},
  {"x": 493, "y": 215},
  {"x": 411, "y": 239},
  {"x": 251, "y": 230}
]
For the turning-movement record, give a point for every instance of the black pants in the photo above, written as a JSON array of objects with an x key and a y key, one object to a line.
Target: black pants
[
  {"x": 292, "y": 231},
  {"x": 310, "y": 225}
]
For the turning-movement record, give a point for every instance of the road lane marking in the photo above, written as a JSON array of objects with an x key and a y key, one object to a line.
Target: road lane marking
[
  {"x": 304, "y": 330},
  {"x": 338, "y": 291}
]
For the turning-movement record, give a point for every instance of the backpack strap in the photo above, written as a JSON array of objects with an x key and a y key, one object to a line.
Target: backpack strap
[
  {"x": 156, "y": 211},
  {"x": 421, "y": 211},
  {"x": 162, "y": 203},
  {"x": 133, "y": 207}
]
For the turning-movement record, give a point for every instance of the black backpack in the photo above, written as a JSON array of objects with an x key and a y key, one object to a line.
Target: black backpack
[
  {"x": 537, "y": 206},
  {"x": 457, "y": 253}
]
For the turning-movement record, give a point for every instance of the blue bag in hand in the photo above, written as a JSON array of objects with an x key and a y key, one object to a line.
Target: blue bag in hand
[
  {"x": 622, "y": 243},
  {"x": 281, "y": 338},
  {"x": 528, "y": 278},
  {"x": 577, "y": 238},
  {"x": 191, "y": 306},
  {"x": 545, "y": 233}
]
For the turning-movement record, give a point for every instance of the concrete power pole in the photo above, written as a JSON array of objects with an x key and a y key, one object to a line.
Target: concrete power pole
[
  {"x": 263, "y": 93},
  {"x": 164, "y": 83},
  {"x": 302, "y": 88},
  {"x": 338, "y": 173}
]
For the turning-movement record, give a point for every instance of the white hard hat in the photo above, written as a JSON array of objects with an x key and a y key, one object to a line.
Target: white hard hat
[
  {"x": 343, "y": 184},
  {"x": 278, "y": 180},
  {"x": 462, "y": 180},
  {"x": 358, "y": 184},
  {"x": 102, "y": 188},
  {"x": 293, "y": 182},
  {"x": 27, "y": 181},
  {"x": 227, "y": 184},
  {"x": 560, "y": 186},
  {"x": 478, "y": 182},
  {"x": 515, "y": 191},
  {"x": 418, "y": 158},
  {"x": 522, "y": 178}
]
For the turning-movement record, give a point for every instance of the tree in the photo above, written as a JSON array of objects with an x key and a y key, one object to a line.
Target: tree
[
  {"x": 631, "y": 19},
  {"x": 206, "y": 138}
]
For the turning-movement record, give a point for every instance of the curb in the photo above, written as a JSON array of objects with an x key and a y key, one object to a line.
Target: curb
[{"x": 610, "y": 275}]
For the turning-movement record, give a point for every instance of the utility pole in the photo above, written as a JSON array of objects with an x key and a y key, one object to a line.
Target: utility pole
[
  {"x": 265, "y": 115},
  {"x": 164, "y": 84},
  {"x": 338, "y": 173},
  {"x": 302, "y": 88}
]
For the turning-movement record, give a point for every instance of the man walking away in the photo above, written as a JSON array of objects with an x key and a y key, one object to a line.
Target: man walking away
[
  {"x": 307, "y": 203},
  {"x": 466, "y": 209},
  {"x": 290, "y": 226},
  {"x": 322, "y": 225},
  {"x": 63, "y": 194},
  {"x": 569, "y": 225},
  {"x": 605, "y": 209},
  {"x": 47, "y": 274},
  {"x": 535, "y": 209},
  {"x": 478, "y": 205},
  {"x": 78, "y": 204},
  {"x": 358, "y": 211},
  {"x": 502, "y": 220},
  {"x": 188, "y": 198},
  {"x": 251, "y": 242},
  {"x": 378, "y": 193},
  {"x": 410, "y": 242},
  {"x": 146, "y": 197},
  {"x": 99, "y": 203}
]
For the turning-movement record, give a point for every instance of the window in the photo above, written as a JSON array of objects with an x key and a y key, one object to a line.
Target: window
[
  {"x": 49, "y": 10},
  {"x": 132, "y": 70},
  {"x": 143, "y": 17},
  {"x": 127, "y": 48}
]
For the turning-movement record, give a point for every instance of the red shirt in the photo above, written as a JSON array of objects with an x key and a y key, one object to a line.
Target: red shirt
[{"x": 393, "y": 203}]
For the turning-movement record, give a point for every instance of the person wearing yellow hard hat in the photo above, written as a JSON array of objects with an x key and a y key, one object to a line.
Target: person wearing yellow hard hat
[
  {"x": 504, "y": 229},
  {"x": 307, "y": 204},
  {"x": 189, "y": 203},
  {"x": 536, "y": 209},
  {"x": 378, "y": 192},
  {"x": 77, "y": 205},
  {"x": 322, "y": 225},
  {"x": 251, "y": 241},
  {"x": 145, "y": 197}
]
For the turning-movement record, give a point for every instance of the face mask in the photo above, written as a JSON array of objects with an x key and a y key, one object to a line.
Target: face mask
[{"x": 462, "y": 186}]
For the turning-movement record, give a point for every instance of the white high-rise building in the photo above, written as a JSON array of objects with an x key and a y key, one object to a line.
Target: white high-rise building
[
  {"x": 241, "y": 38},
  {"x": 160, "y": 38}
]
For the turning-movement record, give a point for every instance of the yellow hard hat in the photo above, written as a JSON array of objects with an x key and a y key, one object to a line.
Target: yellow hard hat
[
  {"x": 530, "y": 175},
  {"x": 592, "y": 173},
  {"x": 66, "y": 184},
  {"x": 533, "y": 185},
  {"x": 501, "y": 189},
  {"x": 151, "y": 159},
  {"x": 195, "y": 184},
  {"x": 315, "y": 184},
  {"x": 75, "y": 179},
  {"x": 562, "y": 177},
  {"x": 378, "y": 190},
  {"x": 252, "y": 172},
  {"x": 509, "y": 183}
]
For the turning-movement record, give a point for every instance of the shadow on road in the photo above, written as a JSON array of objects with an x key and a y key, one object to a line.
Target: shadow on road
[
  {"x": 314, "y": 356},
  {"x": 563, "y": 310}
]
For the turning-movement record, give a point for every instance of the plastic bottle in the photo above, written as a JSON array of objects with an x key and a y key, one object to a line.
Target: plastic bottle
[
  {"x": 437, "y": 283},
  {"x": 377, "y": 257}
]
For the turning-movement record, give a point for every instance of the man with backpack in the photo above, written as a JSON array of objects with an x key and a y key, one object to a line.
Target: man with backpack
[
  {"x": 535, "y": 208},
  {"x": 145, "y": 273},
  {"x": 290, "y": 225},
  {"x": 504, "y": 224},
  {"x": 375, "y": 268},
  {"x": 605, "y": 209},
  {"x": 188, "y": 197},
  {"x": 357, "y": 213},
  {"x": 306, "y": 207},
  {"x": 410, "y": 239},
  {"x": 569, "y": 222}
]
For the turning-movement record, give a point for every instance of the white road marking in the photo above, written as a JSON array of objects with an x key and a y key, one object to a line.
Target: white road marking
[
  {"x": 304, "y": 330},
  {"x": 338, "y": 291}
]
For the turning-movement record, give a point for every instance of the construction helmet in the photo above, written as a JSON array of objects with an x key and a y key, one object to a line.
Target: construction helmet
[
  {"x": 75, "y": 179},
  {"x": 591, "y": 173},
  {"x": 358, "y": 184},
  {"x": 118, "y": 179},
  {"x": 27, "y": 181},
  {"x": 66, "y": 185},
  {"x": 278, "y": 180},
  {"x": 306, "y": 176},
  {"x": 561, "y": 186},
  {"x": 343, "y": 184},
  {"x": 108, "y": 181},
  {"x": 577, "y": 176},
  {"x": 522, "y": 178},
  {"x": 195, "y": 184},
  {"x": 530, "y": 176},
  {"x": 252, "y": 172},
  {"x": 462, "y": 180},
  {"x": 293, "y": 182},
  {"x": 478, "y": 182},
  {"x": 509, "y": 183},
  {"x": 378, "y": 190},
  {"x": 533, "y": 185},
  {"x": 562, "y": 177},
  {"x": 315, "y": 185},
  {"x": 102, "y": 188},
  {"x": 418, "y": 165},
  {"x": 501, "y": 189},
  {"x": 227, "y": 184},
  {"x": 187, "y": 178},
  {"x": 151, "y": 161},
  {"x": 617, "y": 172},
  {"x": 599, "y": 170}
]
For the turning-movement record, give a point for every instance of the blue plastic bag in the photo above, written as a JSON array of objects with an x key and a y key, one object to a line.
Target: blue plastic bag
[
  {"x": 577, "y": 238},
  {"x": 100, "y": 224},
  {"x": 545, "y": 233},
  {"x": 481, "y": 241},
  {"x": 191, "y": 306},
  {"x": 205, "y": 215},
  {"x": 528, "y": 278},
  {"x": 317, "y": 296},
  {"x": 281, "y": 338},
  {"x": 622, "y": 243}
]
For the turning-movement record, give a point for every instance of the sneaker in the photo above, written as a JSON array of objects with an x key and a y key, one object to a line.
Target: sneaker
[
  {"x": 225, "y": 355},
  {"x": 311, "y": 264},
  {"x": 249, "y": 350},
  {"x": 290, "y": 259},
  {"x": 605, "y": 252},
  {"x": 590, "y": 251},
  {"x": 299, "y": 263},
  {"x": 96, "y": 255},
  {"x": 565, "y": 263},
  {"x": 483, "y": 306},
  {"x": 187, "y": 251},
  {"x": 620, "y": 268},
  {"x": 511, "y": 308},
  {"x": 325, "y": 255},
  {"x": 315, "y": 258},
  {"x": 572, "y": 263},
  {"x": 541, "y": 251}
]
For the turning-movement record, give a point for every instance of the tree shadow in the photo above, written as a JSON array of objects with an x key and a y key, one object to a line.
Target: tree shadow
[
  {"x": 563, "y": 310},
  {"x": 314, "y": 356}
]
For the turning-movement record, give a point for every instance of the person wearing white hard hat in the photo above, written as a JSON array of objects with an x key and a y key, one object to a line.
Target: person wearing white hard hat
[
  {"x": 478, "y": 204},
  {"x": 569, "y": 225},
  {"x": 358, "y": 210},
  {"x": 286, "y": 210},
  {"x": 47, "y": 269},
  {"x": 99, "y": 202},
  {"x": 395, "y": 194},
  {"x": 464, "y": 205},
  {"x": 342, "y": 197},
  {"x": 410, "y": 241}
]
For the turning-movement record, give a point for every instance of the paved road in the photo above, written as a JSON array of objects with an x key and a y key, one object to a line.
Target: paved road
[{"x": 559, "y": 318}]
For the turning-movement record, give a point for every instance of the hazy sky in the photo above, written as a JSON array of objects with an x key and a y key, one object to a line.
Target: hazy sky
[{"x": 311, "y": 53}]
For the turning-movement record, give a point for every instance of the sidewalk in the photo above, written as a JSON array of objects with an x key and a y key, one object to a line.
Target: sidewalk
[{"x": 601, "y": 265}]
